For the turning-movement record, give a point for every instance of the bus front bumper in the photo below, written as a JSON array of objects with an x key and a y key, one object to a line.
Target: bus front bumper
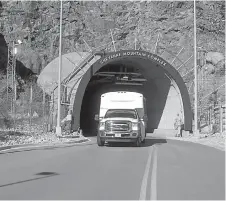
[{"x": 119, "y": 137}]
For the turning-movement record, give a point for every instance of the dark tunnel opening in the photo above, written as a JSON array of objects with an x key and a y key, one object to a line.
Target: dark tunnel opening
[
  {"x": 109, "y": 78},
  {"x": 153, "y": 85}
]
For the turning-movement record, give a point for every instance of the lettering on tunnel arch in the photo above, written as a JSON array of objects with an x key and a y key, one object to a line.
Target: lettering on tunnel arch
[{"x": 134, "y": 53}]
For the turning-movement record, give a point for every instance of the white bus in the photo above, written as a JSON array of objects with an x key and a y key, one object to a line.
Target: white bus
[{"x": 122, "y": 118}]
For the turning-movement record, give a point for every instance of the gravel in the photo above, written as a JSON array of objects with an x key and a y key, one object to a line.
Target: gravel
[{"x": 8, "y": 138}]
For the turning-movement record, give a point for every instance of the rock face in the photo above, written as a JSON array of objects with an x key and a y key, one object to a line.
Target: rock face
[{"x": 36, "y": 23}]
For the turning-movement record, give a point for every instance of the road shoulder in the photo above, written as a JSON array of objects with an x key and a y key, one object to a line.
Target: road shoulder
[
  {"x": 59, "y": 142},
  {"x": 214, "y": 141}
]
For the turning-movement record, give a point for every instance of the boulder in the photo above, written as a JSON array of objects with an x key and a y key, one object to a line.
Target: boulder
[
  {"x": 209, "y": 68},
  {"x": 214, "y": 57}
]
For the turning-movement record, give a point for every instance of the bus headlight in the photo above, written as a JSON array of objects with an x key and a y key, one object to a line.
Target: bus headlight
[
  {"x": 135, "y": 126},
  {"x": 101, "y": 126}
]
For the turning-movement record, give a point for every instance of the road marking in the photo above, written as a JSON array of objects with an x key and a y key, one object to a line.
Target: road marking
[
  {"x": 143, "y": 190},
  {"x": 153, "y": 190}
]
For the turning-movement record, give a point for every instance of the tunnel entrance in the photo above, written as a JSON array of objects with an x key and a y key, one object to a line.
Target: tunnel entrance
[
  {"x": 112, "y": 77},
  {"x": 135, "y": 71},
  {"x": 163, "y": 102},
  {"x": 128, "y": 70}
]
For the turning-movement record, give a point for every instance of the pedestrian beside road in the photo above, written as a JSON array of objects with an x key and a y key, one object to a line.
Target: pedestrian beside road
[{"x": 178, "y": 125}]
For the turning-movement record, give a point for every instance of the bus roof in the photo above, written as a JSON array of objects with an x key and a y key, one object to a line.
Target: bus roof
[{"x": 122, "y": 93}]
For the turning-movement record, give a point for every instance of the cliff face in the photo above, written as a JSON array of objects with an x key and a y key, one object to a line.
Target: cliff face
[{"x": 36, "y": 23}]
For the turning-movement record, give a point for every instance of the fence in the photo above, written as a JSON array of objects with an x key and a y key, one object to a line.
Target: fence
[
  {"x": 29, "y": 114},
  {"x": 211, "y": 93},
  {"x": 212, "y": 119}
]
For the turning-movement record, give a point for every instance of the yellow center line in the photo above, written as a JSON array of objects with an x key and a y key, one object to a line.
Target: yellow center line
[
  {"x": 143, "y": 190},
  {"x": 153, "y": 190}
]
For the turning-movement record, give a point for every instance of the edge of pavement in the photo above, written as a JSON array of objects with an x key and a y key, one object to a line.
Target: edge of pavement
[
  {"x": 189, "y": 140},
  {"x": 4, "y": 149}
]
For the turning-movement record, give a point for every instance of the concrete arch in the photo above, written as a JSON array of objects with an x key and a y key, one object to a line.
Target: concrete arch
[{"x": 146, "y": 62}]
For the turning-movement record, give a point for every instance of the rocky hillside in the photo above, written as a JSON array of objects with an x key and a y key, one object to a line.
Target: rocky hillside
[{"x": 36, "y": 23}]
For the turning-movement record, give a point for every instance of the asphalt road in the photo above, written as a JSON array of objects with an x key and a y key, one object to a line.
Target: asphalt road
[{"x": 163, "y": 170}]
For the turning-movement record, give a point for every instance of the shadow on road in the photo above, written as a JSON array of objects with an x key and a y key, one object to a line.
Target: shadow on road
[
  {"x": 151, "y": 142},
  {"x": 148, "y": 143},
  {"x": 46, "y": 175}
]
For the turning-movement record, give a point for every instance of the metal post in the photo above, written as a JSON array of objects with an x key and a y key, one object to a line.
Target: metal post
[
  {"x": 136, "y": 35},
  {"x": 31, "y": 99},
  {"x": 195, "y": 81},
  {"x": 14, "y": 89},
  {"x": 7, "y": 79},
  {"x": 12, "y": 83},
  {"x": 113, "y": 42},
  {"x": 58, "y": 127},
  {"x": 43, "y": 102},
  {"x": 156, "y": 44},
  {"x": 205, "y": 78},
  {"x": 201, "y": 78},
  {"x": 208, "y": 116},
  {"x": 52, "y": 126},
  {"x": 15, "y": 92},
  {"x": 90, "y": 49},
  {"x": 221, "y": 118},
  {"x": 211, "y": 113},
  {"x": 224, "y": 106},
  {"x": 135, "y": 43}
]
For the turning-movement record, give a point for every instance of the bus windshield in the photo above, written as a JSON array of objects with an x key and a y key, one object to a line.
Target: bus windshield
[{"x": 122, "y": 113}]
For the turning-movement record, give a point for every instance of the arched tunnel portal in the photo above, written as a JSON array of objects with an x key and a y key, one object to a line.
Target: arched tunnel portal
[{"x": 160, "y": 83}]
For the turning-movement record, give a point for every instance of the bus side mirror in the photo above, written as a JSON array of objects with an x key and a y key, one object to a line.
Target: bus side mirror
[{"x": 96, "y": 118}]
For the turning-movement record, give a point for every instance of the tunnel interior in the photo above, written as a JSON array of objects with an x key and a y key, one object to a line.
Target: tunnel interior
[{"x": 136, "y": 75}]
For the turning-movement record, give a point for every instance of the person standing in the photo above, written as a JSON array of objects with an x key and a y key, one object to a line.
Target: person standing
[{"x": 178, "y": 125}]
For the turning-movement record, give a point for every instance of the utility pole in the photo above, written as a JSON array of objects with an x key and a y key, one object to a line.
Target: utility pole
[
  {"x": 58, "y": 127},
  {"x": 9, "y": 77},
  {"x": 14, "y": 74},
  {"x": 196, "y": 132},
  {"x": 14, "y": 88},
  {"x": 31, "y": 99},
  {"x": 225, "y": 87}
]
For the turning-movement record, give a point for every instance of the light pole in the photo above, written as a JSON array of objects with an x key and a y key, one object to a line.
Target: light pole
[
  {"x": 14, "y": 79},
  {"x": 19, "y": 42},
  {"x": 196, "y": 132},
  {"x": 58, "y": 127}
]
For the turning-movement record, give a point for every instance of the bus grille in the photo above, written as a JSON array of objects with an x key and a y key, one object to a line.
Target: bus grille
[{"x": 118, "y": 126}]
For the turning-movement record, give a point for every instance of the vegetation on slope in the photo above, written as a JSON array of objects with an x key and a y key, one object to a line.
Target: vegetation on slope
[{"x": 37, "y": 24}]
